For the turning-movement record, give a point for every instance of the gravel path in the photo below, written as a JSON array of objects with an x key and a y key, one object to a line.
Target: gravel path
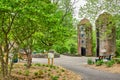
[{"x": 75, "y": 64}]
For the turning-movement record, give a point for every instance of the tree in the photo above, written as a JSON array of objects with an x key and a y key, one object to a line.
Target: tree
[
  {"x": 59, "y": 25},
  {"x": 26, "y": 22},
  {"x": 93, "y": 8},
  {"x": 15, "y": 29}
]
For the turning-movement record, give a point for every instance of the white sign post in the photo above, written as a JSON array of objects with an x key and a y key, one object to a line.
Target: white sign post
[{"x": 50, "y": 56}]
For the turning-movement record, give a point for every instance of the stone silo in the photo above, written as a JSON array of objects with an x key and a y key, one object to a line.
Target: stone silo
[
  {"x": 106, "y": 35},
  {"x": 85, "y": 38}
]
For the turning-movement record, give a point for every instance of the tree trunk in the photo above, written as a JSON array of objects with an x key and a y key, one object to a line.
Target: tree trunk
[
  {"x": 29, "y": 60},
  {"x": 29, "y": 57}
]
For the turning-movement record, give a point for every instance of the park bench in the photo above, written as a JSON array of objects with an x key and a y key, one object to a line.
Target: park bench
[{"x": 104, "y": 57}]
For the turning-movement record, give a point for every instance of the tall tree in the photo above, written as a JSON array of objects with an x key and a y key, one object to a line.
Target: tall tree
[
  {"x": 19, "y": 19},
  {"x": 93, "y": 8}
]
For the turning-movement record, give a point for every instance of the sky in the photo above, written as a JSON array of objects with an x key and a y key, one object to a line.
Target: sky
[{"x": 77, "y": 5}]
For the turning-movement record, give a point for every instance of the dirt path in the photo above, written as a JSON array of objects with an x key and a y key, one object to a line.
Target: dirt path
[{"x": 76, "y": 65}]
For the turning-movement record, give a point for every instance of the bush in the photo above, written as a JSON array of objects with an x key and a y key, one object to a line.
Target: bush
[
  {"x": 113, "y": 61},
  {"x": 117, "y": 60},
  {"x": 99, "y": 62},
  {"x": 73, "y": 50},
  {"x": 61, "y": 50},
  {"x": 89, "y": 61},
  {"x": 40, "y": 72},
  {"x": 19, "y": 72},
  {"x": 117, "y": 48},
  {"x": 36, "y": 73},
  {"x": 27, "y": 73},
  {"x": 54, "y": 77},
  {"x": 110, "y": 63},
  {"x": 37, "y": 64},
  {"x": 25, "y": 65}
]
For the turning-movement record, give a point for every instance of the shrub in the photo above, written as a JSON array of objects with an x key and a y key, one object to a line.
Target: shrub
[
  {"x": 43, "y": 65},
  {"x": 113, "y": 61},
  {"x": 52, "y": 66},
  {"x": 40, "y": 72},
  {"x": 27, "y": 73},
  {"x": 54, "y": 77},
  {"x": 99, "y": 62},
  {"x": 73, "y": 50},
  {"x": 37, "y": 64},
  {"x": 36, "y": 73},
  {"x": 47, "y": 65},
  {"x": 117, "y": 60},
  {"x": 25, "y": 64},
  {"x": 89, "y": 61},
  {"x": 62, "y": 70},
  {"x": 117, "y": 48},
  {"x": 61, "y": 49},
  {"x": 49, "y": 69},
  {"x": 19, "y": 72},
  {"x": 109, "y": 63}
]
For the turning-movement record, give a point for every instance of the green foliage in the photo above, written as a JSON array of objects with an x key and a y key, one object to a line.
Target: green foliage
[
  {"x": 52, "y": 66},
  {"x": 19, "y": 72},
  {"x": 117, "y": 21},
  {"x": 25, "y": 65},
  {"x": 36, "y": 73},
  {"x": 62, "y": 70},
  {"x": 61, "y": 49},
  {"x": 117, "y": 48},
  {"x": 113, "y": 61},
  {"x": 37, "y": 64},
  {"x": 110, "y": 63},
  {"x": 117, "y": 60},
  {"x": 47, "y": 65},
  {"x": 49, "y": 69},
  {"x": 54, "y": 77},
  {"x": 94, "y": 42},
  {"x": 33, "y": 24},
  {"x": 99, "y": 62},
  {"x": 73, "y": 49},
  {"x": 93, "y": 7},
  {"x": 27, "y": 72},
  {"x": 90, "y": 61},
  {"x": 43, "y": 65},
  {"x": 40, "y": 72}
]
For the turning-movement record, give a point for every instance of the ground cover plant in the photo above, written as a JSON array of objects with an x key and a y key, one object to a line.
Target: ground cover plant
[{"x": 41, "y": 72}]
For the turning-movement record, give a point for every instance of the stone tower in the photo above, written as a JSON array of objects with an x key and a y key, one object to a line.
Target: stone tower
[
  {"x": 85, "y": 37},
  {"x": 106, "y": 35}
]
